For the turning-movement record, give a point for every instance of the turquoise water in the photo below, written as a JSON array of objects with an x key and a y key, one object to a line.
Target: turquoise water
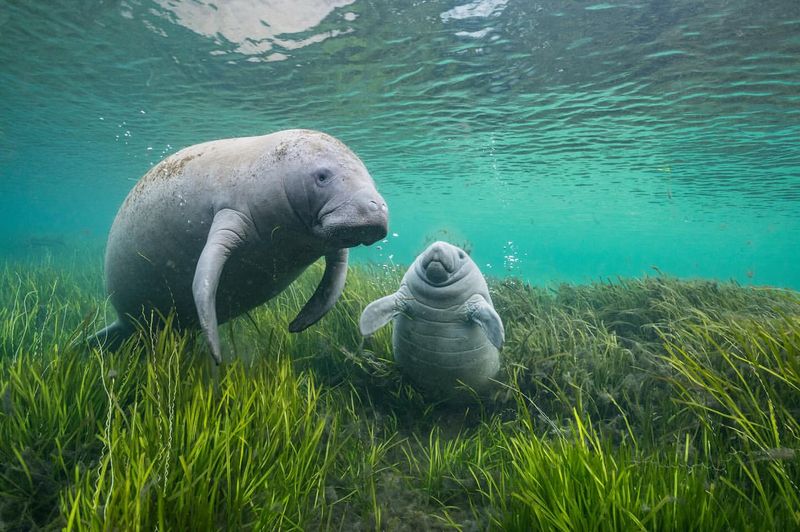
[{"x": 559, "y": 140}]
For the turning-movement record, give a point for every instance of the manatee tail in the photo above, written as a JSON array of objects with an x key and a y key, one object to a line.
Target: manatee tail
[{"x": 111, "y": 337}]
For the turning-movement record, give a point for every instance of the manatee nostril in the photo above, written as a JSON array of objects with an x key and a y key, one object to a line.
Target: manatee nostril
[{"x": 373, "y": 205}]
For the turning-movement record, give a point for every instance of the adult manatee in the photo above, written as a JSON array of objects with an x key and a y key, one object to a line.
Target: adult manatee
[
  {"x": 445, "y": 327},
  {"x": 221, "y": 227}
]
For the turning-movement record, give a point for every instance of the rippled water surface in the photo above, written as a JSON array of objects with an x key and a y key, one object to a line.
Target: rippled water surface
[{"x": 559, "y": 140}]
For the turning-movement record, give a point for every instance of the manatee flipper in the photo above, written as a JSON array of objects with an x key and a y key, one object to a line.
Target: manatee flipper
[
  {"x": 228, "y": 231},
  {"x": 379, "y": 313},
  {"x": 327, "y": 292},
  {"x": 481, "y": 312},
  {"x": 111, "y": 337}
]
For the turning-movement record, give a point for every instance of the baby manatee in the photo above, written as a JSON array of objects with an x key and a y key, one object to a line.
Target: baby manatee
[{"x": 446, "y": 331}]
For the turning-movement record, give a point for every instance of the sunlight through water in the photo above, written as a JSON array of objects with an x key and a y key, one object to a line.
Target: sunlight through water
[{"x": 559, "y": 141}]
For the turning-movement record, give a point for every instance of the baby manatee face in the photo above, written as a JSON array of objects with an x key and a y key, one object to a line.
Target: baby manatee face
[
  {"x": 331, "y": 191},
  {"x": 442, "y": 264}
]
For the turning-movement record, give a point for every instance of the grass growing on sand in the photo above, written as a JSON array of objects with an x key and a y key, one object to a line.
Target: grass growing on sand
[{"x": 652, "y": 404}]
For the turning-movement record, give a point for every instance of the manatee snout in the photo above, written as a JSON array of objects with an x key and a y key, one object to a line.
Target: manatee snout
[
  {"x": 436, "y": 272},
  {"x": 440, "y": 261},
  {"x": 362, "y": 219},
  {"x": 374, "y": 217}
]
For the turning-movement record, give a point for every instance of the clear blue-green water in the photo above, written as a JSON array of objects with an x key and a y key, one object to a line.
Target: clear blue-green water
[{"x": 562, "y": 140}]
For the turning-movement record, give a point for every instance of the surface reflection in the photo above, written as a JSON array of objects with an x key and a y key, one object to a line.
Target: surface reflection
[{"x": 254, "y": 26}]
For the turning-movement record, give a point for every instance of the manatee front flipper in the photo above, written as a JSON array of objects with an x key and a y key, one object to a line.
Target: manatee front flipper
[
  {"x": 111, "y": 337},
  {"x": 380, "y": 312},
  {"x": 327, "y": 292},
  {"x": 481, "y": 312},
  {"x": 229, "y": 230}
]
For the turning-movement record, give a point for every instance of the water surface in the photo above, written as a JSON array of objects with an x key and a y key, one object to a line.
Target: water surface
[{"x": 560, "y": 141}]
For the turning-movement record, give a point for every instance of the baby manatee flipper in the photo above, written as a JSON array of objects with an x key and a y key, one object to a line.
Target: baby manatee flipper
[
  {"x": 228, "y": 231},
  {"x": 327, "y": 292},
  {"x": 379, "y": 313},
  {"x": 481, "y": 312},
  {"x": 111, "y": 337}
]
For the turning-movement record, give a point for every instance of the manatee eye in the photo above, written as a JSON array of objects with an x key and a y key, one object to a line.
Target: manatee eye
[
  {"x": 323, "y": 176},
  {"x": 460, "y": 254}
]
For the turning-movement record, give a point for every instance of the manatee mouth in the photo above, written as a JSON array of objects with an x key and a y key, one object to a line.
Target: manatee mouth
[
  {"x": 369, "y": 235},
  {"x": 353, "y": 223},
  {"x": 438, "y": 267},
  {"x": 441, "y": 264},
  {"x": 350, "y": 236},
  {"x": 436, "y": 272}
]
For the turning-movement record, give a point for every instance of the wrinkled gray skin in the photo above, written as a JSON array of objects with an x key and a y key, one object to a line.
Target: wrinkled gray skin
[
  {"x": 445, "y": 327},
  {"x": 221, "y": 227}
]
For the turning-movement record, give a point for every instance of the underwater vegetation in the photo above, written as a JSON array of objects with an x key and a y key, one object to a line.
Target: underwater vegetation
[{"x": 637, "y": 404}]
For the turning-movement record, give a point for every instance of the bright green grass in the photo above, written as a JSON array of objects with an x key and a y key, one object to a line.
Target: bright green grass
[{"x": 646, "y": 404}]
